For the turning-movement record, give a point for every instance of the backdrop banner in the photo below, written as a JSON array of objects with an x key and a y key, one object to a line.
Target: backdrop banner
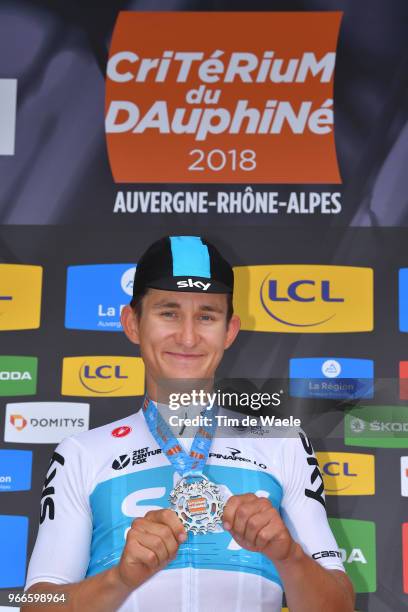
[{"x": 278, "y": 131}]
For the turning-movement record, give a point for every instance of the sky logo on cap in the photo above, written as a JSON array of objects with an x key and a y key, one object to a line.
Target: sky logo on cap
[
  {"x": 20, "y": 296},
  {"x": 96, "y": 295},
  {"x": 13, "y": 538},
  {"x": 357, "y": 544},
  {"x": 102, "y": 376},
  {"x": 15, "y": 470},
  {"x": 18, "y": 375},
  {"x": 377, "y": 427},
  {"x": 347, "y": 473},
  {"x": 304, "y": 299},
  {"x": 332, "y": 378}
]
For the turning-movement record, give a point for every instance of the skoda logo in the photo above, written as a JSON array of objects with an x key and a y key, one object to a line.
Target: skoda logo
[{"x": 357, "y": 425}]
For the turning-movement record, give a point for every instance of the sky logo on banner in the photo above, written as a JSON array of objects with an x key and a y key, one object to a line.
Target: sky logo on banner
[
  {"x": 347, "y": 473},
  {"x": 357, "y": 543},
  {"x": 96, "y": 295},
  {"x": 44, "y": 422},
  {"x": 304, "y": 299},
  {"x": 8, "y": 108},
  {"x": 13, "y": 538},
  {"x": 332, "y": 378},
  {"x": 377, "y": 426},
  {"x": 203, "y": 109},
  {"x": 405, "y": 556},
  {"x": 18, "y": 375},
  {"x": 404, "y": 476},
  {"x": 20, "y": 296},
  {"x": 15, "y": 470},
  {"x": 102, "y": 376}
]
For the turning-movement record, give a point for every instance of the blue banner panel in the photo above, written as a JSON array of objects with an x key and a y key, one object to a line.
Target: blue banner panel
[
  {"x": 96, "y": 295},
  {"x": 15, "y": 470},
  {"x": 13, "y": 538},
  {"x": 331, "y": 378}
]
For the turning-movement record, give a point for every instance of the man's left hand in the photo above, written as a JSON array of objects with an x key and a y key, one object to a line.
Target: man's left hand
[{"x": 257, "y": 526}]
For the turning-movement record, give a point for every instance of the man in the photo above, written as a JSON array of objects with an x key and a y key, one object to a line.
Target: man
[{"x": 112, "y": 542}]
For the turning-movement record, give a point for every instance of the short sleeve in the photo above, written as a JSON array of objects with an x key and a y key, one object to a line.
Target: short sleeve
[
  {"x": 62, "y": 549},
  {"x": 303, "y": 506}
]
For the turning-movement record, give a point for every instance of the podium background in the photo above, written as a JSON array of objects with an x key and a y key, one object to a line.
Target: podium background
[{"x": 56, "y": 201}]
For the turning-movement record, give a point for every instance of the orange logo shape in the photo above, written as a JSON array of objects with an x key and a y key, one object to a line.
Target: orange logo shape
[
  {"x": 18, "y": 421},
  {"x": 251, "y": 103}
]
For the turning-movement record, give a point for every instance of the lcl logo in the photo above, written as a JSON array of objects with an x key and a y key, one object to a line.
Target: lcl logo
[
  {"x": 299, "y": 291},
  {"x": 103, "y": 371}
]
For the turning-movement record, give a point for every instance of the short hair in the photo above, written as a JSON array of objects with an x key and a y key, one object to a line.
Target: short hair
[{"x": 136, "y": 303}]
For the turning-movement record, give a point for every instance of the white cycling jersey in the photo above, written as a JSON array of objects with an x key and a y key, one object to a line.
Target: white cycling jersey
[{"x": 100, "y": 480}]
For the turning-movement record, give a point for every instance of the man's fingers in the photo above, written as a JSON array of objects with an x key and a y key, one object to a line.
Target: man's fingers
[
  {"x": 165, "y": 533},
  {"x": 257, "y": 522},
  {"x": 154, "y": 543},
  {"x": 168, "y": 517},
  {"x": 231, "y": 507}
]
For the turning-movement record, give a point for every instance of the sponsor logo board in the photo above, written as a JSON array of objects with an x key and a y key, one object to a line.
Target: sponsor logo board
[
  {"x": 15, "y": 470},
  {"x": 18, "y": 375},
  {"x": 20, "y": 296},
  {"x": 347, "y": 473},
  {"x": 101, "y": 376},
  {"x": 44, "y": 422},
  {"x": 304, "y": 298},
  {"x": 96, "y": 295},
  {"x": 377, "y": 426},
  {"x": 13, "y": 538},
  {"x": 331, "y": 378},
  {"x": 404, "y": 476},
  {"x": 356, "y": 541}
]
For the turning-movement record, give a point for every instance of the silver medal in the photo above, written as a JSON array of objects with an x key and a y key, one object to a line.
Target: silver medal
[{"x": 198, "y": 504}]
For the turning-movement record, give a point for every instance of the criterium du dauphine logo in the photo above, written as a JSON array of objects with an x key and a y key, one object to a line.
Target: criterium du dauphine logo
[{"x": 252, "y": 102}]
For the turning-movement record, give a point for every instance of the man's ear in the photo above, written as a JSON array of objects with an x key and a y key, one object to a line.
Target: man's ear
[
  {"x": 130, "y": 324},
  {"x": 232, "y": 330}
]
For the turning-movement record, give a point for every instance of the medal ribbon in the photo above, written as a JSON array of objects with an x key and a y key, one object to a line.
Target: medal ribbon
[{"x": 183, "y": 463}]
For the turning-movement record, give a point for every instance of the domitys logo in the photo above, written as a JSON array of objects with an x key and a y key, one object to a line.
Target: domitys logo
[{"x": 251, "y": 103}]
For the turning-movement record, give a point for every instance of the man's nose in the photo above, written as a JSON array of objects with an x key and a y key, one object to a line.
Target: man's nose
[{"x": 187, "y": 333}]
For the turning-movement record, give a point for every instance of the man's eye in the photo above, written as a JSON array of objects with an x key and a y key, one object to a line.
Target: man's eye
[
  {"x": 206, "y": 317},
  {"x": 168, "y": 314}
]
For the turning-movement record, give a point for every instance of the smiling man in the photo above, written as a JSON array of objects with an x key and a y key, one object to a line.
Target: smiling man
[{"x": 142, "y": 521}]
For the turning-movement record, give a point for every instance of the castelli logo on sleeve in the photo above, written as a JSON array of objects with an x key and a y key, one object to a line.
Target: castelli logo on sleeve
[
  {"x": 121, "y": 432},
  {"x": 252, "y": 102}
]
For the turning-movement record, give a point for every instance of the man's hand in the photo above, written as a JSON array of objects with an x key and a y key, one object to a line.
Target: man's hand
[
  {"x": 151, "y": 543},
  {"x": 257, "y": 526}
]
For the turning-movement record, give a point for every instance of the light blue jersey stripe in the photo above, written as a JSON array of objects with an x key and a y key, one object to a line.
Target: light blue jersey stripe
[{"x": 190, "y": 256}]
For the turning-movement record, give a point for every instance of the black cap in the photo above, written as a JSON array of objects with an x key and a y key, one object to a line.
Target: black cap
[{"x": 183, "y": 263}]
